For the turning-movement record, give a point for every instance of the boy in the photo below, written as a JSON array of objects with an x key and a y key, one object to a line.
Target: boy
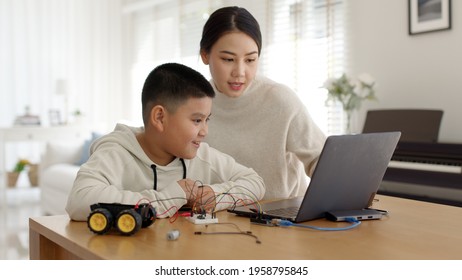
[{"x": 166, "y": 162}]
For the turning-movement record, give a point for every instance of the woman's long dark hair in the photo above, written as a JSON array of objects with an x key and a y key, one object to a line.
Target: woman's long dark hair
[{"x": 228, "y": 19}]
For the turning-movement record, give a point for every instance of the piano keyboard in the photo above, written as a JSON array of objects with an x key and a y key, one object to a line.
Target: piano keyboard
[{"x": 426, "y": 166}]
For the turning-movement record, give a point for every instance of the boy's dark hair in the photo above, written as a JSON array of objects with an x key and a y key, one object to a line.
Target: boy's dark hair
[
  {"x": 171, "y": 85},
  {"x": 226, "y": 20}
]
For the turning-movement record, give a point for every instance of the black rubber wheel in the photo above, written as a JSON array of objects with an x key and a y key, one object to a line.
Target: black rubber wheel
[
  {"x": 128, "y": 222},
  {"x": 148, "y": 214},
  {"x": 100, "y": 221}
]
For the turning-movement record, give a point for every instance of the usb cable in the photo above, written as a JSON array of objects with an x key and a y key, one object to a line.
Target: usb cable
[{"x": 286, "y": 223}]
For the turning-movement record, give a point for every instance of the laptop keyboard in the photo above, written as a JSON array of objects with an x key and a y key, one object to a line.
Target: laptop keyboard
[{"x": 283, "y": 212}]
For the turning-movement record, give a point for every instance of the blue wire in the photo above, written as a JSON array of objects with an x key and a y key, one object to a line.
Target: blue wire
[{"x": 286, "y": 223}]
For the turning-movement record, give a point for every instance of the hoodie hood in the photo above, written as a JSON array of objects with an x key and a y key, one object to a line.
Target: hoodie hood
[{"x": 124, "y": 136}]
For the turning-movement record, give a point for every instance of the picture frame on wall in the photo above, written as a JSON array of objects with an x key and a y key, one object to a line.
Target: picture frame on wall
[{"x": 429, "y": 16}]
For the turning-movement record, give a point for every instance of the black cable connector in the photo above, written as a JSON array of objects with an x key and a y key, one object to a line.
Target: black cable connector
[{"x": 260, "y": 221}]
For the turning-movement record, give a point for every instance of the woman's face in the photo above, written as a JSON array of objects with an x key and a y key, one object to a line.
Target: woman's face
[{"x": 233, "y": 62}]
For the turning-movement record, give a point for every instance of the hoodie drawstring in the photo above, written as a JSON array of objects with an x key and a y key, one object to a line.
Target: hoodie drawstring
[
  {"x": 153, "y": 166},
  {"x": 154, "y": 170}
]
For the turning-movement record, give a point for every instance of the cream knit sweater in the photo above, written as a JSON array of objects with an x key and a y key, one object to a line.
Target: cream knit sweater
[{"x": 268, "y": 129}]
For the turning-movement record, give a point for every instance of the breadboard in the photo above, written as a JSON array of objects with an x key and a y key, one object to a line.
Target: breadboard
[{"x": 201, "y": 219}]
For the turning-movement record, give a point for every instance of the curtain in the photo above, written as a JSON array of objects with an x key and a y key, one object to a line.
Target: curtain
[{"x": 63, "y": 55}]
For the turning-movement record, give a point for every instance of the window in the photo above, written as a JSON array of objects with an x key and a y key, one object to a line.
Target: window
[
  {"x": 303, "y": 44},
  {"x": 308, "y": 37}
]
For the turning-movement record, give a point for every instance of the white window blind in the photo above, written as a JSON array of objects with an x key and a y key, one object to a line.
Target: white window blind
[
  {"x": 303, "y": 44},
  {"x": 306, "y": 44}
]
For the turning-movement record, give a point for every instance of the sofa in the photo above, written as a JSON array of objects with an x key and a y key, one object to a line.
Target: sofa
[{"x": 58, "y": 169}]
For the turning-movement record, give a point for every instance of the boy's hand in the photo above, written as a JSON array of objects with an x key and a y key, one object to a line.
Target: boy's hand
[
  {"x": 200, "y": 197},
  {"x": 187, "y": 186}
]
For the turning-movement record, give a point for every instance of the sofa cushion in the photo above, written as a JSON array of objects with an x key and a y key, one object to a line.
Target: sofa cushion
[
  {"x": 85, "y": 152},
  {"x": 56, "y": 182},
  {"x": 61, "y": 152}
]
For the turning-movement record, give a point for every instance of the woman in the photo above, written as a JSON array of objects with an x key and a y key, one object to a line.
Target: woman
[{"x": 259, "y": 122}]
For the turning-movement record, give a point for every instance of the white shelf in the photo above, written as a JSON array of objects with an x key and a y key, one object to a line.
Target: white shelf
[
  {"x": 21, "y": 195},
  {"x": 23, "y": 192}
]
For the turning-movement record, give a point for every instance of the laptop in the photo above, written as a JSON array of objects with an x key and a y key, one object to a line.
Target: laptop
[{"x": 347, "y": 177}]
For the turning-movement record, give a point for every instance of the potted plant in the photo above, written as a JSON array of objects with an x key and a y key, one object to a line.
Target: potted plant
[
  {"x": 14, "y": 175},
  {"x": 78, "y": 116},
  {"x": 350, "y": 92},
  {"x": 33, "y": 174}
]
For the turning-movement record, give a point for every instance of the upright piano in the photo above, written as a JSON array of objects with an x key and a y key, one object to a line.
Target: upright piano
[
  {"x": 421, "y": 167},
  {"x": 425, "y": 171}
]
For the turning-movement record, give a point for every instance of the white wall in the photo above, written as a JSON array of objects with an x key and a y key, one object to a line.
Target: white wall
[{"x": 418, "y": 71}]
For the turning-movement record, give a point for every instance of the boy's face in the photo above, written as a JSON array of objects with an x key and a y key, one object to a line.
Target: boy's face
[{"x": 186, "y": 128}]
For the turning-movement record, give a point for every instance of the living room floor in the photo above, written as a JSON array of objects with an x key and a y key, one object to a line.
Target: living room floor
[{"x": 17, "y": 205}]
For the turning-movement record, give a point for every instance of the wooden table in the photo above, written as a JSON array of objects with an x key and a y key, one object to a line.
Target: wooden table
[{"x": 414, "y": 230}]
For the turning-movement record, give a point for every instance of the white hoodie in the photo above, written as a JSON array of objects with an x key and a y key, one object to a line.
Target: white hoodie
[{"x": 118, "y": 171}]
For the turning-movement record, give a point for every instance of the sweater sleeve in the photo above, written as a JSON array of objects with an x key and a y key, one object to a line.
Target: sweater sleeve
[
  {"x": 304, "y": 138},
  {"x": 104, "y": 179}
]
